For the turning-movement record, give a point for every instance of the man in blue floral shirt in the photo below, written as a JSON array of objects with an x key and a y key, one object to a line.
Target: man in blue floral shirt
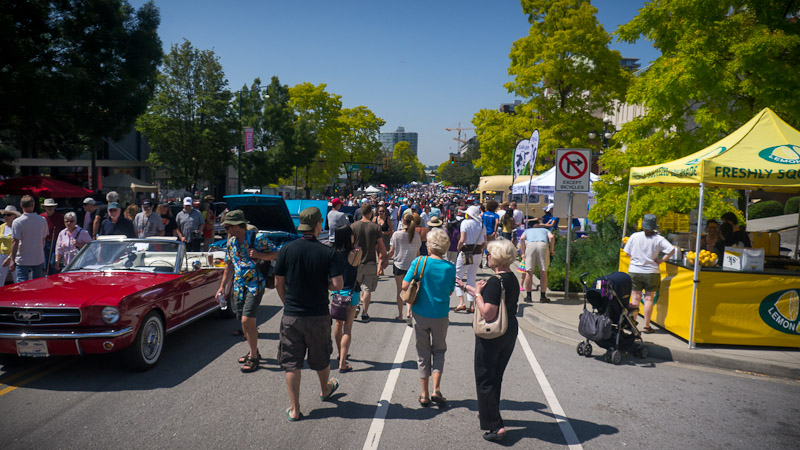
[{"x": 248, "y": 284}]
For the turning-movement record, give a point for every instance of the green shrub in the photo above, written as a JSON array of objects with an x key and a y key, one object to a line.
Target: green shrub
[
  {"x": 792, "y": 205},
  {"x": 597, "y": 254},
  {"x": 769, "y": 208}
]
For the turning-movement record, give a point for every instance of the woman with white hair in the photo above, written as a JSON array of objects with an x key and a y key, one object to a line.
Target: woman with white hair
[
  {"x": 70, "y": 240},
  {"x": 470, "y": 248},
  {"x": 430, "y": 310},
  {"x": 492, "y": 355}
]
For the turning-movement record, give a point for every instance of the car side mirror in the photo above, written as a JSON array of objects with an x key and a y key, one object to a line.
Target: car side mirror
[{"x": 196, "y": 265}]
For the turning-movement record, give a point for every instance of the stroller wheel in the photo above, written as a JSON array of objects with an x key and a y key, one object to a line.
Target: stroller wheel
[
  {"x": 580, "y": 348},
  {"x": 643, "y": 352},
  {"x": 587, "y": 350},
  {"x": 616, "y": 357},
  {"x": 607, "y": 357}
]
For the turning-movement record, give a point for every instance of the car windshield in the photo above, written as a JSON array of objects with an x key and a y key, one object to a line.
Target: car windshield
[{"x": 129, "y": 255}]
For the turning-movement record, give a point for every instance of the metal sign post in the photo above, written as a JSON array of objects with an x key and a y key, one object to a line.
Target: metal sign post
[
  {"x": 572, "y": 175},
  {"x": 534, "y": 145}
]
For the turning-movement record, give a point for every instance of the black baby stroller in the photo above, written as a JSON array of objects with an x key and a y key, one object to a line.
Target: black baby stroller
[{"x": 612, "y": 321}]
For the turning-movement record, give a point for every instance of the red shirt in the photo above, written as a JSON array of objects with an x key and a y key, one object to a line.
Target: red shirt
[{"x": 54, "y": 222}]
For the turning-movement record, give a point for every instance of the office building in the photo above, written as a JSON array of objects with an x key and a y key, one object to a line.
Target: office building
[{"x": 388, "y": 140}]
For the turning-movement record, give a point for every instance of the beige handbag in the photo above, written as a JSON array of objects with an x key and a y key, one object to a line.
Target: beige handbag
[
  {"x": 410, "y": 295},
  {"x": 497, "y": 327}
]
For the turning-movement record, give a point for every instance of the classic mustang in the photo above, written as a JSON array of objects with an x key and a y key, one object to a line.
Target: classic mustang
[{"x": 117, "y": 294}]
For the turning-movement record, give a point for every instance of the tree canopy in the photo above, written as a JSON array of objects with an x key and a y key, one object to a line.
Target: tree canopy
[
  {"x": 721, "y": 63},
  {"x": 74, "y": 71},
  {"x": 566, "y": 72},
  {"x": 190, "y": 124}
]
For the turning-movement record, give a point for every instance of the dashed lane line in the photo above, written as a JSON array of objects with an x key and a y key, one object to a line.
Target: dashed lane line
[
  {"x": 376, "y": 428},
  {"x": 566, "y": 428}
]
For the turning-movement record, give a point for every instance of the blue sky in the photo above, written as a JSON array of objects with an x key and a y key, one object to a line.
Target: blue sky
[{"x": 423, "y": 65}]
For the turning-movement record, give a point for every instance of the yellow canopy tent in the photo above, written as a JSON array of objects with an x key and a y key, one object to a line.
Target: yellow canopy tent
[{"x": 762, "y": 154}]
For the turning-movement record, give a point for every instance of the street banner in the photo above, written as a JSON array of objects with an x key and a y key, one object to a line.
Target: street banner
[
  {"x": 526, "y": 153},
  {"x": 248, "y": 139}
]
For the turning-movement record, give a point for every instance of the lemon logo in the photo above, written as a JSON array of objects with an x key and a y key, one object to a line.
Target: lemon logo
[
  {"x": 782, "y": 154},
  {"x": 780, "y": 310},
  {"x": 712, "y": 153}
]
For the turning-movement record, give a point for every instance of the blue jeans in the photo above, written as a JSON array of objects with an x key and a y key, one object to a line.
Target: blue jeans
[{"x": 25, "y": 273}]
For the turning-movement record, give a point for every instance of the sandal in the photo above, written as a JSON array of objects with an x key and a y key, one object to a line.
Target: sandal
[
  {"x": 424, "y": 401},
  {"x": 494, "y": 436},
  {"x": 346, "y": 368},
  {"x": 437, "y": 397},
  {"x": 471, "y": 310},
  {"x": 460, "y": 308},
  {"x": 243, "y": 359},
  {"x": 250, "y": 365},
  {"x": 334, "y": 384},
  {"x": 648, "y": 330},
  {"x": 292, "y": 419}
]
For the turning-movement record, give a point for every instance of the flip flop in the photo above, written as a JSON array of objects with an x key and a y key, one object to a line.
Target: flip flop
[
  {"x": 292, "y": 419},
  {"x": 460, "y": 308},
  {"x": 334, "y": 384},
  {"x": 346, "y": 368},
  {"x": 648, "y": 330}
]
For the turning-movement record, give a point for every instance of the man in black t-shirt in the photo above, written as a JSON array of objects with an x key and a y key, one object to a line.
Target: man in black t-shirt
[{"x": 304, "y": 273}]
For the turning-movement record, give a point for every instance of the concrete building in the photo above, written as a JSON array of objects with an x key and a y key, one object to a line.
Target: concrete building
[{"x": 388, "y": 140}]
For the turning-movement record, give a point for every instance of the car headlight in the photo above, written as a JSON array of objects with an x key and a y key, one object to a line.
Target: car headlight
[{"x": 110, "y": 315}]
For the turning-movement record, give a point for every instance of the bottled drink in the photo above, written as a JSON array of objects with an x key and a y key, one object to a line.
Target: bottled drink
[{"x": 223, "y": 304}]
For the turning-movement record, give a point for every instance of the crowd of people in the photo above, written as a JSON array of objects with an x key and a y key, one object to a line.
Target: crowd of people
[{"x": 33, "y": 244}]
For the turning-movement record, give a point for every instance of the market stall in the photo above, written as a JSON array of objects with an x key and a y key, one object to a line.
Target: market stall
[{"x": 731, "y": 307}]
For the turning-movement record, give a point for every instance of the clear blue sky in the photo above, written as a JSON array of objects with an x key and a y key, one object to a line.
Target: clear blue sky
[{"x": 424, "y": 65}]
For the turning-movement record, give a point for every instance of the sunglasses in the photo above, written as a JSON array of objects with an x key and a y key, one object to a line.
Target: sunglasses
[
  {"x": 8, "y": 214},
  {"x": 69, "y": 221}
]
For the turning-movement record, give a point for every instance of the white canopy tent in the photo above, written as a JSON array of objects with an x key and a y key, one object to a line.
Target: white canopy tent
[
  {"x": 543, "y": 184},
  {"x": 373, "y": 190}
]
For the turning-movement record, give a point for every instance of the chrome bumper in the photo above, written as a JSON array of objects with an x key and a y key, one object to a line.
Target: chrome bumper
[{"x": 45, "y": 335}]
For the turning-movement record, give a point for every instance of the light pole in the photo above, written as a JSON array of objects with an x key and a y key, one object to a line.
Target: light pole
[
  {"x": 239, "y": 153},
  {"x": 607, "y": 134}
]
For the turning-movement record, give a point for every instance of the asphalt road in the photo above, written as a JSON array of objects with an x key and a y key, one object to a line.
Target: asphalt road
[{"x": 197, "y": 398}]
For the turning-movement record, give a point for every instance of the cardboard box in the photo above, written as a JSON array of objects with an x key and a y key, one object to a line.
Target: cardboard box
[
  {"x": 770, "y": 242},
  {"x": 743, "y": 259}
]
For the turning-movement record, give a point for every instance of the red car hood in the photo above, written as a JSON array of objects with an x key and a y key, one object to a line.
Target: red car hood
[{"x": 79, "y": 289}]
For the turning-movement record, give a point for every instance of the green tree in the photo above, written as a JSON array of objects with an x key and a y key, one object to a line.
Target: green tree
[
  {"x": 273, "y": 121},
  {"x": 189, "y": 122},
  {"x": 459, "y": 174},
  {"x": 359, "y": 134},
  {"x": 568, "y": 74},
  {"x": 407, "y": 160},
  {"x": 721, "y": 62},
  {"x": 319, "y": 111},
  {"x": 73, "y": 72}
]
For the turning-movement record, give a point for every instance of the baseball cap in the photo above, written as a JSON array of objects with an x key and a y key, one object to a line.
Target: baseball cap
[
  {"x": 113, "y": 205},
  {"x": 548, "y": 207},
  {"x": 309, "y": 218},
  {"x": 89, "y": 201},
  {"x": 187, "y": 201},
  {"x": 336, "y": 202},
  {"x": 147, "y": 203}
]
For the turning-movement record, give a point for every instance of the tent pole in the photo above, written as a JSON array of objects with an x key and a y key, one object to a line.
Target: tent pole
[
  {"x": 796, "y": 237},
  {"x": 696, "y": 278},
  {"x": 627, "y": 207}
]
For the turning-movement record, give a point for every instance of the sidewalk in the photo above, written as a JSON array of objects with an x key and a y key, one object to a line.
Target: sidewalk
[{"x": 559, "y": 319}]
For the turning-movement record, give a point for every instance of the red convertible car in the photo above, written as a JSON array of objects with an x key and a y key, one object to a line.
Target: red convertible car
[{"x": 117, "y": 294}]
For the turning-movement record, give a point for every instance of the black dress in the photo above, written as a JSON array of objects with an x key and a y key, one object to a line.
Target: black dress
[{"x": 492, "y": 355}]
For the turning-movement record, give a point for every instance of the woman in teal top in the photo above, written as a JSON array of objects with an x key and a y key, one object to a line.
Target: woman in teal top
[{"x": 430, "y": 311}]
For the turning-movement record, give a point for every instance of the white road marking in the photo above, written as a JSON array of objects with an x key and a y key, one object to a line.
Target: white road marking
[
  {"x": 555, "y": 407},
  {"x": 376, "y": 429}
]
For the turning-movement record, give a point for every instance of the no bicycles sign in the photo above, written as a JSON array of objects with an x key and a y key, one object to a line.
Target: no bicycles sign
[{"x": 572, "y": 169}]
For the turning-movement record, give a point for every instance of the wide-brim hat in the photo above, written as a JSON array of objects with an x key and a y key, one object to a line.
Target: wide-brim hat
[
  {"x": 474, "y": 211},
  {"x": 309, "y": 218},
  {"x": 235, "y": 217},
  {"x": 649, "y": 222},
  {"x": 11, "y": 210},
  {"x": 435, "y": 222},
  {"x": 50, "y": 202}
]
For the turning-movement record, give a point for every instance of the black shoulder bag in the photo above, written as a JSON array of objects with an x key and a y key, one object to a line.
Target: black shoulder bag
[{"x": 262, "y": 266}]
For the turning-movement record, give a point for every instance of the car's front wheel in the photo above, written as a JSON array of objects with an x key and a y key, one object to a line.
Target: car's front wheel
[{"x": 145, "y": 351}]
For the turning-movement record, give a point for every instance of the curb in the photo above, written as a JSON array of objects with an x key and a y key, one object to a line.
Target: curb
[{"x": 697, "y": 356}]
